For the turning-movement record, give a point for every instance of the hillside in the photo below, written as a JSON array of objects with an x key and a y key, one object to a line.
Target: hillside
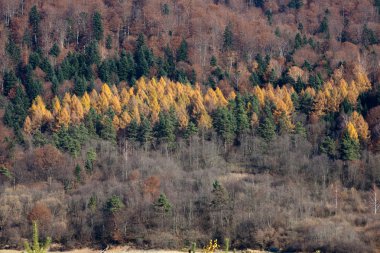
[{"x": 163, "y": 123}]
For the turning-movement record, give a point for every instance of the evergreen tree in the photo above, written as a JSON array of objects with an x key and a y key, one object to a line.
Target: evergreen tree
[
  {"x": 9, "y": 81},
  {"x": 324, "y": 27},
  {"x": 267, "y": 129},
  {"x": 295, "y": 4},
  {"x": 242, "y": 121},
  {"x": 350, "y": 148},
  {"x": 104, "y": 71},
  {"x": 34, "y": 60},
  {"x": 78, "y": 173},
  {"x": 97, "y": 26},
  {"x": 92, "y": 53},
  {"x": 54, "y": 50},
  {"x": 162, "y": 204},
  {"x": 79, "y": 86},
  {"x": 17, "y": 110},
  {"x": 145, "y": 131},
  {"x": 182, "y": 52},
  {"x": 228, "y": 37},
  {"x": 109, "y": 42},
  {"x": 190, "y": 130},
  {"x": 224, "y": 124},
  {"x": 133, "y": 131},
  {"x": 298, "y": 41},
  {"x": 164, "y": 129},
  {"x": 213, "y": 61},
  {"x": 13, "y": 50},
  {"x": 34, "y": 21},
  {"x": 108, "y": 131},
  {"x": 114, "y": 204}
]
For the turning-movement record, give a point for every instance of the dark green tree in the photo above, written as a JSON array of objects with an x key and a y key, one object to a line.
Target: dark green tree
[
  {"x": 350, "y": 148},
  {"x": 109, "y": 42},
  {"x": 295, "y": 4},
  {"x": 9, "y": 81},
  {"x": 164, "y": 129},
  {"x": 145, "y": 131},
  {"x": 97, "y": 26},
  {"x": 242, "y": 122},
  {"x": 224, "y": 124},
  {"x": 55, "y": 50},
  {"x": 78, "y": 173},
  {"x": 228, "y": 37},
  {"x": 34, "y": 21},
  {"x": 107, "y": 131},
  {"x": 79, "y": 86},
  {"x": 162, "y": 204},
  {"x": 114, "y": 204},
  {"x": 182, "y": 52}
]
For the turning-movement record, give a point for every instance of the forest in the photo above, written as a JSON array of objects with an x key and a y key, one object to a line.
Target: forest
[{"x": 164, "y": 123}]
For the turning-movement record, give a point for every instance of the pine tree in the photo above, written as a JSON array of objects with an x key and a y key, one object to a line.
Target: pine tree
[
  {"x": 162, "y": 204},
  {"x": 182, "y": 52},
  {"x": 224, "y": 124},
  {"x": 9, "y": 81},
  {"x": 97, "y": 26},
  {"x": 109, "y": 42},
  {"x": 34, "y": 21},
  {"x": 350, "y": 148},
  {"x": 145, "y": 131},
  {"x": 228, "y": 37},
  {"x": 241, "y": 116},
  {"x": 79, "y": 86},
  {"x": 108, "y": 131},
  {"x": 164, "y": 130},
  {"x": 54, "y": 50}
]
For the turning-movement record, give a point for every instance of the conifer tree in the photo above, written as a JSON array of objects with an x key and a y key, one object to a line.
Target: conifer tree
[
  {"x": 97, "y": 26},
  {"x": 182, "y": 52}
]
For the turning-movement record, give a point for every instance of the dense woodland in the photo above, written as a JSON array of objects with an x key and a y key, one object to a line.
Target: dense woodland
[{"x": 163, "y": 123}]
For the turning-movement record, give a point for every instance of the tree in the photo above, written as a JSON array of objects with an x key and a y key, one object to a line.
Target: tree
[
  {"x": 37, "y": 246},
  {"x": 162, "y": 204},
  {"x": 182, "y": 52},
  {"x": 79, "y": 86},
  {"x": 55, "y": 50},
  {"x": 267, "y": 127},
  {"x": 224, "y": 124},
  {"x": 97, "y": 26},
  {"x": 34, "y": 21},
  {"x": 241, "y": 116},
  {"x": 109, "y": 42},
  {"x": 108, "y": 131},
  {"x": 9, "y": 81},
  {"x": 350, "y": 147},
  {"x": 114, "y": 204},
  {"x": 164, "y": 129},
  {"x": 296, "y": 4},
  {"x": 228, "y": 37}
]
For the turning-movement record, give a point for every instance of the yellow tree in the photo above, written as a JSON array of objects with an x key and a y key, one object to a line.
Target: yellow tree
[
  {"x": 28, "y": 125},
  {"x": 360, "y": 125},
  {"x": 352, "y": 131},
  {"x": 63, "y": 119},
  {"x": 86, "y": 102},
  {"x": 56, "y": 106},
  {"x": 115, "y": 104},
  {"x": 77, "y": 112}
]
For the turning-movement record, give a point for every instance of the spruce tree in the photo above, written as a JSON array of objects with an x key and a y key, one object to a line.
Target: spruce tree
[
  {"x": 182, "y": 52},
  {"x": 79, "y": 86},
  {"x": 54, "y": 50},
  {"x": 228, "y": 37},
  {"x": 242, "y": 122},
  {"x": 145, "y": 131},
  {"x": 350, "y": 148},
  {"x": 97, "y": 26},
  {"x": 9, "y": 81}
]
